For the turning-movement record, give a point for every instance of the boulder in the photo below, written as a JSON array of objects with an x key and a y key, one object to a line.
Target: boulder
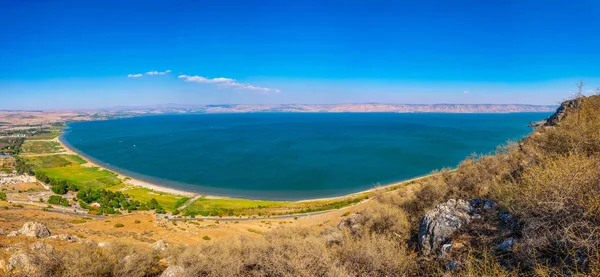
[
  {"x": 439, "y": 224},
  {"x": 23, "y": 263},
  {"x": 160, "y": 246},
  {"x": 34, "y": 229},
  {"x": 173, "y": 271},
  {"x": 42, "y": 248},
  {"x": 506, "y": 245},
  {"x": 508, "y": 220},
  {"x": 13, "y": 234},
  {"x": 350, "y": 224}
]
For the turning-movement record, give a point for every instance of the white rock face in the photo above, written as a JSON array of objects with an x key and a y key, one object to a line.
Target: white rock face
[
  {"x": 440, "y": 223},
  {"x": 34, "y": 229}
]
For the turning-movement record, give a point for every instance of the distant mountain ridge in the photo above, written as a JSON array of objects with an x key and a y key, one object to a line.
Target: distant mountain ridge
[{"x": 367, "y": 107}]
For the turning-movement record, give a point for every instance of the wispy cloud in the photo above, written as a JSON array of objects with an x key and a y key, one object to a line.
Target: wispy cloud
[
  {"x": 226, "y": 82},
  {"x": 466, "y": 92},
  {"x": 158, "y": 72},
  {"x": 149, "y": 73}
]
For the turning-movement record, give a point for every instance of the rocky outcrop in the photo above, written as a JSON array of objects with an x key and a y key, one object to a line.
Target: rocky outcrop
[
  {"x": 560, "y": 113},
  {"x": 160, "y": 246},
  {"x": 173, "y": 271},
  {"x": 438, "y": 225},
  {"x": 34, "y": 229}
]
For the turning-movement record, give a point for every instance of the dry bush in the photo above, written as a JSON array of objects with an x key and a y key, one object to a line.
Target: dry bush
[
  {"x": 383, "y": 218},
  {"x": 434, "y": 190},
  {"x": 476, "y": 174},
  {"x": 482, "y": 263},
  {"x": 375, "y": 255},
  {"x": 86, "y": 259},
  {"x": 283, "y": 252},
  {"x": 558, "y": 202}
]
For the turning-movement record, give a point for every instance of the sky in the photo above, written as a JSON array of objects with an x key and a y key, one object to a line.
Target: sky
[{"x": 97, "y": 54}]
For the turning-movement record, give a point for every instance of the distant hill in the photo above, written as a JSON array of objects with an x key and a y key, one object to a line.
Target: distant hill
[{"x": 366, "y": 107}]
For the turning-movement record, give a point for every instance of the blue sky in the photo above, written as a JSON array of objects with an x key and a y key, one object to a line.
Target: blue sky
[{"x": 79, "y": 54}]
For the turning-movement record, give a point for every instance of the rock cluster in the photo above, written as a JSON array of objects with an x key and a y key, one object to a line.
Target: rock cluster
[{"x": 438, "y": 225}]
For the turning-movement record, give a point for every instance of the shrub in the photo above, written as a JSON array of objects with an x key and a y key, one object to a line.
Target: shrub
[{"x": 119, "y": 225}]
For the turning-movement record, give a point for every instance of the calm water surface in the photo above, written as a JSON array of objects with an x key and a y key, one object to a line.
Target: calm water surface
[{"x": 289, "y": 156}]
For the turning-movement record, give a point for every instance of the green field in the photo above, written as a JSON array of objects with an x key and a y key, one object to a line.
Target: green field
[
  {"x": 40, "y": 147},
  {"x": 51, "y": 161},
  {"x": 169, "y": 201},
  {"x": 47, "y": 133},
  {"x": 246, "y": 207},
  {"x": 69, "y": 167}
]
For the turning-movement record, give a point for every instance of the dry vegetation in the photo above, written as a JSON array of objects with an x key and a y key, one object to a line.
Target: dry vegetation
[{"x": 549, "y": 181}]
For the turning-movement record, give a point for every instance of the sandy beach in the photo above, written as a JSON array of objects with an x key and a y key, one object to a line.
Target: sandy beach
[{"x": 126, "y": 179}]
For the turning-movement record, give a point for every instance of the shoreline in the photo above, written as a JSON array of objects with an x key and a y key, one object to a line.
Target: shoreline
[{"x": 128, "y": 180}]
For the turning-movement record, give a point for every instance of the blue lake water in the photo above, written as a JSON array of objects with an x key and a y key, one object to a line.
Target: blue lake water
[{"x": 290, "y": 156}]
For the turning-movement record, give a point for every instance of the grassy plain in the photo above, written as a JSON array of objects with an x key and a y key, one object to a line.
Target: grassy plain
[
  {"x": 246, "y": 207},
  {"x": 70, "y": 168},
  {"x": 40, "y": 147},
  {"x": 169, "y": 201}
]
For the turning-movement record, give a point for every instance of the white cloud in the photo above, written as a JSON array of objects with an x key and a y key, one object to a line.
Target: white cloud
[
  {"x": 158, "y": 72},
  {"x": 225, "y": 82},
  {"x": 466, "y": 92},
  {"x": 149, "y": 73}
]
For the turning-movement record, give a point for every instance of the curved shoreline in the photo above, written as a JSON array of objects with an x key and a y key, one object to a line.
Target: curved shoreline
[{"x": 128, "y": 180}]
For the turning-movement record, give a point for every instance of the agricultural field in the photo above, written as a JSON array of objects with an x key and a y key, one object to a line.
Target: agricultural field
[
  {"x": 40, "y": 147},
  {"x": 69, "y": 168},
  {"x": 169, "y": 201},
  {"x": 47, "y": 133}
]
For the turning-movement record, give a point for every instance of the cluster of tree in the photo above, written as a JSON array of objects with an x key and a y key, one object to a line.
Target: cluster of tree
[
  {"x": 58, "y": 200},
  {"x": 111, "y": 202},
  {"x": 11, "y": 145},
  {"x": 58, "y": 186},
  {"x": 23, "y": 167}
]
